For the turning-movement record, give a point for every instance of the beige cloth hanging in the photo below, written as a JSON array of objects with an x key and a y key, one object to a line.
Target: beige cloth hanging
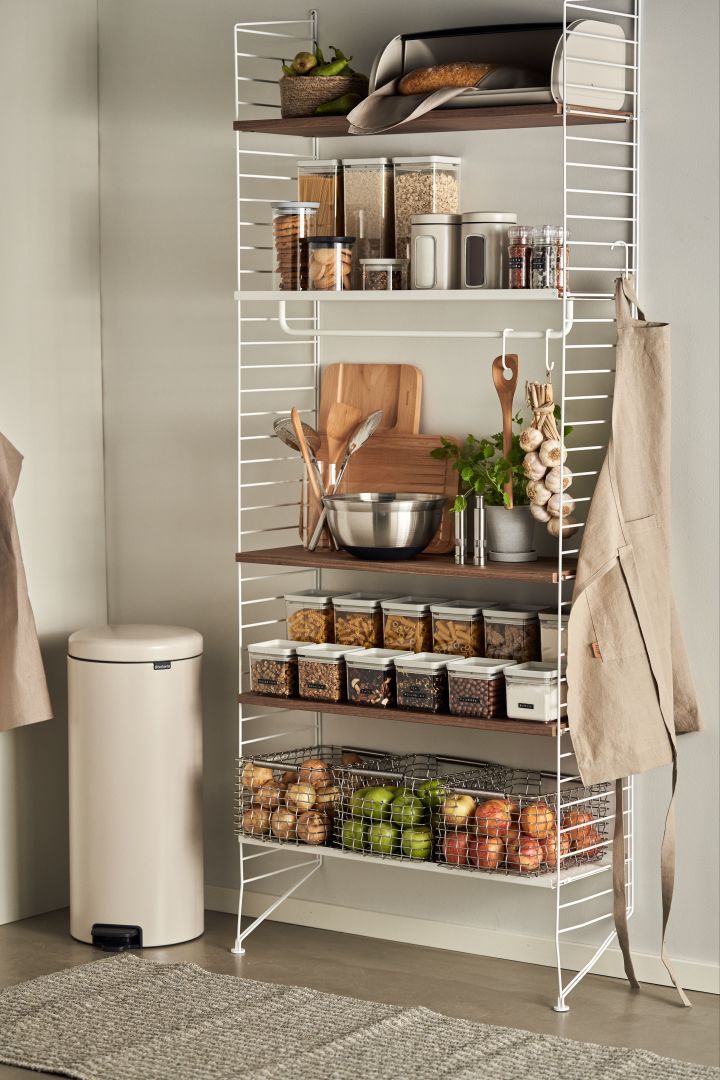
[
  {"x": 24, "y": 695},
  {"x": 630, "y": 692}
]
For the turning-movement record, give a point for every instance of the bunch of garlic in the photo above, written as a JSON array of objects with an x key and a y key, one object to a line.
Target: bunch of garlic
[{"x": 544, "y": 464}]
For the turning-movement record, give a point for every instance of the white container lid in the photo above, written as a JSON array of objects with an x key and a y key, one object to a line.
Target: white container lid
[
  {"x": 135, "y": 643},
  {"x": 376, "y": 658},
  {"x": 499, "y": 216},
  {"x": 285, "y": 207},
  {"x": 480, "y": 667},
  {"x": 410, "y": 605},
  {"x": 275, "y": 649},
  {"x": 311, "y": 597},
  {"x": 509, "y": 615},
  {"x": 325, "y": 163},
  {"x": 366, "y": 161},
  {"x": 360, "y": 601},
  {"x": 432, "y": 159},
  {"x": 383, "y": 264},
  {"x": 534, "y": 669},
  {"x": 326, "y": 652},
  {"x": 550, "y": 618},
  {"x": 459, "y": 607},
  {"x": 423, "y": 661},
  {"x": 435, "y": 219}
]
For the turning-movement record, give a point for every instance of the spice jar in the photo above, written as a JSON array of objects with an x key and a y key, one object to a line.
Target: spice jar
[
  {"x": 321, "y": 672},
  {"x": 273, "y": 667},
  {"x": 369, "y": 207},
  {"x": 519, "y": 256},
  {"x": 421, "y": 682},
  {"x": 330, "y": 262},
  {"x": 532, "y": 692},
  {"x": 549, "y": 637},
  {"x": 544, "y": 257},
  {"x": 358, "y": 619},
  {"x": 371, "y": 677},
  {"x": 384, "y": 275},
  {"x": 292, "y": 224},
  {"x": 512, "y": 634},
  {"x": 423, "y": 185},
  {"x": 458, "y": 627},
  {"x": 476, "y": 687},
  {"x": 563, "y": 260},
  {"x": 322, "y": 182},
  {"x": 435, "y": 251},
  {"x": 407, "y": 623},
  {"x": 309, "y": 616}
]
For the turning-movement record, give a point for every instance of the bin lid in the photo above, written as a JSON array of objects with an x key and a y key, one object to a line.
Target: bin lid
[{"x": 134, "y": 643}]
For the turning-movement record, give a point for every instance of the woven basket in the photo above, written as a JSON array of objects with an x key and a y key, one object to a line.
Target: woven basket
[{"x": 300, "y": 95}]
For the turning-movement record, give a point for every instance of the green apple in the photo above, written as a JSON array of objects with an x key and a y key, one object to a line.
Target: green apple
[
  {"x": 408, "y": 810},
  {"x": 417, "y": 842},
  {"x": 383, "y": 838},
  {"x": 353, "y": 835},
  {"x": 432, "y": 793},
  {"x": 376, "y": 804},
  {"x": 356, "y": 801}
]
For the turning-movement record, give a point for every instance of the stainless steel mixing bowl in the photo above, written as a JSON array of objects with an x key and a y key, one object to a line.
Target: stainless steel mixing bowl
[{"x": 384, "y": 525}]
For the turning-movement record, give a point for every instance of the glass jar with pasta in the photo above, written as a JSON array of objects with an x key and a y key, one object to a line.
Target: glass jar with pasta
[
  {"x": 407, "y": 623},
  {"x": 309, "y": 616},
  {"x": 458, "y": 627},
  {"x": 358, "y": 619}
]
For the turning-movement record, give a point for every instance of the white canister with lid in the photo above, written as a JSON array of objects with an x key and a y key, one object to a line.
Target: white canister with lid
[
  {"x": 483, "y": 249},
  {"x": 435, "y": 251}
]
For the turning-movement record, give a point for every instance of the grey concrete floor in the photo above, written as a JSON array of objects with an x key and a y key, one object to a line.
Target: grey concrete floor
[{"x": 490, "y": 991}]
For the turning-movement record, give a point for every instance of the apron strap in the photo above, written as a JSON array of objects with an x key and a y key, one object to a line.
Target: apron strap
[
  {"x": 624, "y": 297},
  {"x": 667, "y": 880},
  {"x": 619, "y": 897}
]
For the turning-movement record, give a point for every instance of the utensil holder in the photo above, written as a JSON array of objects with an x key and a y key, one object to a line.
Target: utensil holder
[{"x": 311, "y": 508}]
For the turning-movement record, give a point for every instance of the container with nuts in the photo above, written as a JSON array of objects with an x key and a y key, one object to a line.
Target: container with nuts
[
  {"x": 423, "y": 185},
  {"x": 273, "y": 667},
  {"x": 421, "y": 682},
  {"x": 458, "y": 627},
  {"x": 512, "y": 634},
  {"x": 358, "y": 619},
  {"x": 292, "y": 224},
  {"x": 476, "y": 687},
  {"x": 330, "y": 263},
  {"x": 407, "y": 623},
  {"x": 371, "y": 677},
  {"x": 309, "y": 616},
  {"x": 321, "y": 672}
]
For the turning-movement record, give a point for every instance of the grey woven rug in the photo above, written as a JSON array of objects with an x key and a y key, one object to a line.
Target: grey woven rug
[{"x": 131, "y": 1019}]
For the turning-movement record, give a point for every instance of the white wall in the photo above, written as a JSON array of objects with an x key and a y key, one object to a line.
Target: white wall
[
  {"x": 167, "y": 196},
  {"x": 50, "y": 400}
]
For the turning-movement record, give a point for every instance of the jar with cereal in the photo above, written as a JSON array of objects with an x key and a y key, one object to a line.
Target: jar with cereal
[
  {"x": 358, "y": 619},
  {"x": 407, "y": 623},
  {"x": 309, "y": 616},
  {"x": 423, "y": 185},
  {"x": 321, "y": 672},
  {"x": 458, "y": 627},
  {"x": 512, "y": 634},
  {"x": 273, "y": 667}
]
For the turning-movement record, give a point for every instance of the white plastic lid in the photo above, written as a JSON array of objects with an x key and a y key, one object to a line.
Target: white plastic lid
[
  {"x": 365, "y": 161},
  {"x": 276, "y": 649},
  {"x": 432, "y": 159},
  {"x": 481, "y": 667},
  {"x": 533, "y": 669},
  {"x": 479, "y": 216},
  {"x": 410, "y": 605},
  {"x": 326, "y": 651},
  {"x": 360, "y": 601},
  {"x": 384, "y": 264},
  {"x": 423, "y": 661},
  {"x": 550, "y": 618},
  {"x": 326, "y": 163},
  {"x": 458, "y": 608},
  {"x": 311, "y": 597},
  {"x": 507, "y": 615},
  {"x": 285, "y": 207},
  {"x": 135, "y": 643},
  {"x": 436, "y": 219},
  {"x": 376, "y": 658}
]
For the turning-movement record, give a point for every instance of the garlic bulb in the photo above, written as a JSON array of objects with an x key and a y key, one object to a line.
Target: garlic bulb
[
  {"x": 539, "y": 512},
  {"x": 560, "y": 504},
  {"x": 568, "y": 527},
  {"x": 552, "y": 480},
  {"x": 552, "y": 453},
  {"x": 532, "y": 466},
  {"x": 537, "y": 492},
  {"x": 530, "y": 439}
]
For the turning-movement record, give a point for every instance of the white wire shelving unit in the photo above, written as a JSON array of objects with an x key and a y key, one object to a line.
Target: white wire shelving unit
[{"x": 280, "y": 339}]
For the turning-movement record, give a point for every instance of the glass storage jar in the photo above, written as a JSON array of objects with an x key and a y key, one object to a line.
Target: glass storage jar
[
  {"x": 309, "y": 616},
  {"x": 371, "y": 677},
  {"x": 512, "y": 634},
  {"x": 423, "y": 185},
  {"x": 435, "y": 251},
  {"x": 421, "y": 682},
  {"x": 532, "y": 691},
  {"x": 520, "y": 240},
  {"x": 292, "y": 224},
  {"x": 358, "y": 619},
  {"x": 544, "y": 257},
  {"x": 322, "y": 182},
  {"x": 330, "y": 262},
  {"x": 476, "y": 687},
  {"x": 369, "y": 208},
  {"x": 549, "y": 637},
  {"x": 407, "y": 623},
  {"x": 384, "y": 275},
  {"x": 458, "y": 627},
  {"x": 321, "y": 672},
  {"x": 273, "y": 667}
]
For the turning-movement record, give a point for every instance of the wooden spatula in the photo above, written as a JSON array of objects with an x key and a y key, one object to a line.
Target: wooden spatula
[
  {"x": 506, "y": 392},
  {"x": 341, "y": 422}
]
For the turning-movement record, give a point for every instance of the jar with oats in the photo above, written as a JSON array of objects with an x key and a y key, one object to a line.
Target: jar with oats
[
  {"x": 358, "y": 619},
  {"x": 309, "y": 616},
  {"x": 458, "y": 627},
  {"x": 407, "y": 623},
  {"x": 423, "y": 185}
]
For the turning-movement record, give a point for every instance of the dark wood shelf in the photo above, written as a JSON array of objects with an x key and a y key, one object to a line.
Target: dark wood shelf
[
  {"x": 541, "y": 572},
  {"x": 508, "y": 727},
  {"x": 439, "y": 120}
]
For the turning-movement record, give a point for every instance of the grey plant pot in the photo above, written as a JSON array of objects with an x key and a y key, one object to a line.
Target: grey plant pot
[{"x": 510, "y": 532}]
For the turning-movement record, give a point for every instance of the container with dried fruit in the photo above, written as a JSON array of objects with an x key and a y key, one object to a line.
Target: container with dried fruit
[
  {"x": 458, "y": 627},
  {"x": 330, "y": 263},
  {"x": 423, "y": 185},
  {"x": 476, "y": 687},
  {"x": 358, "y": 619},
  {"x": 512, "y": 634},
  {"x": 309, "y": 616},
  {"x": 292, "y": 224},
  {"x": 407, "y": 623},
  {"x": 321, "y": 672},
  {"x": 384, "y": 275},
  {"x": 532, "y": 691},
  {"x": 421, "y": 682},
  {"x": 371, "y": 677},
  {"x": 322, "y": 182},
  {"x": 273, "y": 667},
  {"x": 549, "y": 636}
]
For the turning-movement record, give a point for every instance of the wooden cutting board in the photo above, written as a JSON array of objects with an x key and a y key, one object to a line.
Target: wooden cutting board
[
  {"x": 391, "y": 462},
  {"x": 394, "y": 388}
]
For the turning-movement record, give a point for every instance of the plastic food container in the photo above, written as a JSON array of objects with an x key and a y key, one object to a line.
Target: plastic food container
[
  {"x": 330, "y": 262},
  {"x": 549, "y": 637},
  {"x": 309, "y": 616},
  {"x": 476, "y": 687},
  {"x": 435, "y": 251},
  {"x": 369, "y": 207},
  {"x": 358, "y": 619},
  {"x": 532, "y": 691},
  {"x": 371, "y": 677},
  {"x": 458, "y": 627},
  {"x": 423, "y": 185},
  {"x": 322, "y": 182},
  {"x": 292, "y": 224},
  {"x": 407, "y": 623},
  {"x": 321, "y": 672},
  {"x": 384, "y": 275},
  {"x": 274, "y": 667},
  {"x": 512, "y": 634},
  {"x": 421, "y": 682}
]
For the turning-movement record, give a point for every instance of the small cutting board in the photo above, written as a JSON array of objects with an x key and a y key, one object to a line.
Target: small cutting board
[
  {"x": 394, "y": 388},
  {"x": 391, "y": 462}
]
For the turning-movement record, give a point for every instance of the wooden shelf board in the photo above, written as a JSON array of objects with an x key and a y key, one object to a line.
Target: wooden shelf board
[
  {"x": 541, "y": 572},
  {"x": 438, "y": 120},
  {"x": 508, "y": 727}
]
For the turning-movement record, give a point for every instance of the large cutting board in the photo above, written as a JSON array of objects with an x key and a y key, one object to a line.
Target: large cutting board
[
  {"x": 394, "y": 388},
  {"x": 392, "y": 462}
]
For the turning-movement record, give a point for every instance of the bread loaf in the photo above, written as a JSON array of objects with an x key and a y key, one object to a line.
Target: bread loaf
[{"x": 440, "y": 76}]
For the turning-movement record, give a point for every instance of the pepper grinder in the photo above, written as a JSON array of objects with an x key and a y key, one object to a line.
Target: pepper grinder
[
  {"x": 479, "y": 531},
  {"x": 460, "y": 537}
]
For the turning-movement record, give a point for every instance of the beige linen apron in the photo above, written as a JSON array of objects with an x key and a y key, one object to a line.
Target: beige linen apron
[
  {"x": 23, "y": 690},
  {"x": 630, "y": 692}
]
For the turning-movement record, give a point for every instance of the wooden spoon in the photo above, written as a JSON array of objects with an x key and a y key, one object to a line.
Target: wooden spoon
[
  {"x": 302, "y": 443},
  {"x": 342, "y": 420},
  {"x": 506, "y": 392}
]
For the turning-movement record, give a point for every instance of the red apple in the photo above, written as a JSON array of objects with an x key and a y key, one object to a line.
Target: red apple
[
  {"x": 592, "y": 844},
  {"x": 456, "y": 809},
  {"x": 455, "y": 848},
  {"x": 579, "y": 824},
  {"x": 524, "y": 856},
  {"x": 486, "y": 852},
  {"x": 550, "y": 848},
  {"x": 493, "y": 817},
  {"x": 537, "y": 820}
]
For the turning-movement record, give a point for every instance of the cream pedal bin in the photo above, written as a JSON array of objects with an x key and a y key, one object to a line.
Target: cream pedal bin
[{"x": 135, "y": 758}]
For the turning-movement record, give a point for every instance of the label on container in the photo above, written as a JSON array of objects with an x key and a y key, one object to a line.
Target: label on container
[
  {"x": 316, "y": 686},
  {"x": 266, "y": 682},
  {"x": 525, "y": 705},
  {"x": 471, "y": 700}
]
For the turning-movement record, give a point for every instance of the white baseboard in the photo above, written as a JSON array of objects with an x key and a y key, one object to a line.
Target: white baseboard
[{"x": 468, "y": 939}]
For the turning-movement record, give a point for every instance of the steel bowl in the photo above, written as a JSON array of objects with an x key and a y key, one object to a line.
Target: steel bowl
[{"x": 384, "y": 525}]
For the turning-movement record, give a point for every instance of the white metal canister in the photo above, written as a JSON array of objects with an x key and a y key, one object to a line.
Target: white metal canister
[
  {"x": 484, "y": 249},
  {"x": 435, "y": 251}
]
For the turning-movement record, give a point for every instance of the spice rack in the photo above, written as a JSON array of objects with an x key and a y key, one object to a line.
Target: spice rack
[{"x": 599, "y": 188}]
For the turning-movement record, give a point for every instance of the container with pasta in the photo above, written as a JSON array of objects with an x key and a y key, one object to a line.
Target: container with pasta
[
  {"x": 322, "y": 182},
  {"x": 309, "y": 616},
  {"x": 358, "y": 619},
  {"x": 458, "y": 627},
  {"x": 407, "y": 623}
]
